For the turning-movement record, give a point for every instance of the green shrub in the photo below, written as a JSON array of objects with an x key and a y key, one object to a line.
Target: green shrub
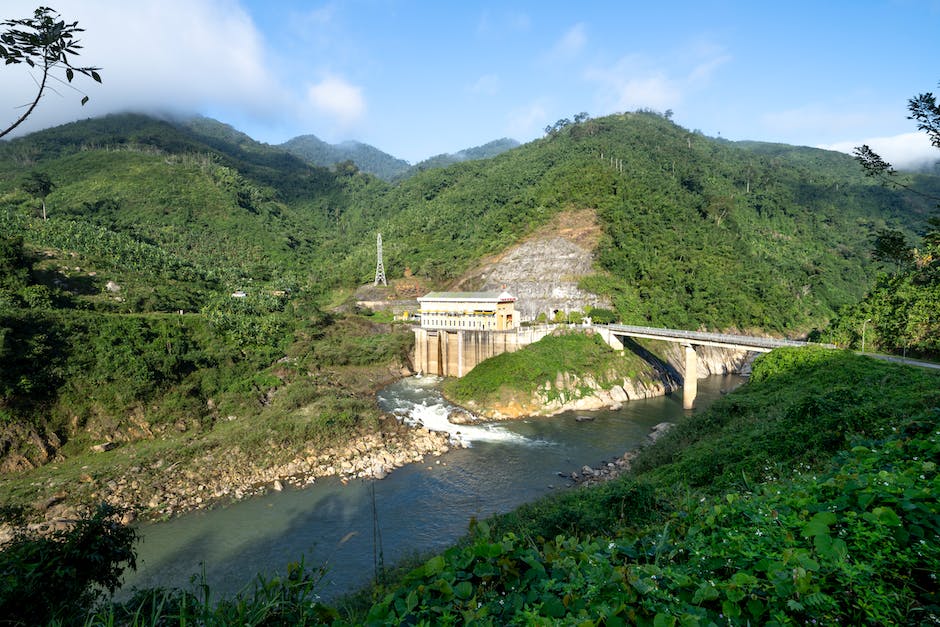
[{"x": 60, "y": 576}]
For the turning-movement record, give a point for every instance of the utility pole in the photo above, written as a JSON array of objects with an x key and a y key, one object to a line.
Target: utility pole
[
  {"x": 864, "y": 324},
  {"x": 379, "y": 266}
]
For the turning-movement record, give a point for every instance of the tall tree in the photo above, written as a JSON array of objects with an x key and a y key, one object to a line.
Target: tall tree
[
  {"x": 38, "y": 184},
  {"x": 47, "y": 43},
  {"x": 924, "y": 110},
  {"x": 891, "y": 246}
]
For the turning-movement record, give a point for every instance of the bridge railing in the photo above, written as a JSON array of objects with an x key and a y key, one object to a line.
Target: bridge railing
[{"x": 704, "y": 336}]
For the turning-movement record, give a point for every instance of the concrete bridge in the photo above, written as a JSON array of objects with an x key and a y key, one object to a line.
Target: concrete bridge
[
  {"x": 454, "y": 352},
  {"x": 690, "y": 339}
]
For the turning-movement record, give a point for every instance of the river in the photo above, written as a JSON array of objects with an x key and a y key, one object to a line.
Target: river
[{"x": 418, "y": 508}]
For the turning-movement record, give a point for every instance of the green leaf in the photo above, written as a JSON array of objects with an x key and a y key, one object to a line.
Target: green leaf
[
  {"x": 819, "y": 524},
  {"x": 705, "y": 592},
  {"x": 883, "y": 516},
  {"x": 552, "y": 607},
  {"x": 463, "y": 590},
  {"x": 434, "y": 565},
  {"x": 664, "y": 620}
]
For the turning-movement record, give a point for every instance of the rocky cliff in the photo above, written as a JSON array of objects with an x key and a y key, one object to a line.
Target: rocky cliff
[{"x": 543, "y": 271}]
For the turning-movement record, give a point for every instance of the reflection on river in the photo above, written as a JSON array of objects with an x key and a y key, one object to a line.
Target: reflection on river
[{"x": 419, "y": 508}]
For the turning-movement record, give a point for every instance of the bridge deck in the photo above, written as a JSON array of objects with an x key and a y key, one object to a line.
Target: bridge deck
[{"x": 703, "y": 338}]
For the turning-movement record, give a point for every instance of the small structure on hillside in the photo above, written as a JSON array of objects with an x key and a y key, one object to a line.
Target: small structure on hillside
[
  {"x": 379, "y": 264},
  {"x": 471, "y": 311}
]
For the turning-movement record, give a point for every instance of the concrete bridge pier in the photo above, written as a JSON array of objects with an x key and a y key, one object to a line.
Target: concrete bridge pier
[{"x": 690, "y": 382}]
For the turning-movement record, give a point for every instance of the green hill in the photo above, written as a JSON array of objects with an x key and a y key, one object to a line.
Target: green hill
[
  {"x": 486, "y": 151},
  {"x": 148, "y": 217},
  {"x": 697, "y": 231},
  {"x": 367, "y": 158}
]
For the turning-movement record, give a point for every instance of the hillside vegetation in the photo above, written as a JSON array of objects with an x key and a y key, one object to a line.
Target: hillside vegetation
[
  {"x": 901, "y": 312},
  {"x": 698, "y": 232},
  {"x": 781, "y": 504},
  {"x": 147, "y": 218},
  {"x": 364, "y": 157}
]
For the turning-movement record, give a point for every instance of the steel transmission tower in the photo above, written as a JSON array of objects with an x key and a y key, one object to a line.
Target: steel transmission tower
[{"x": 379, "y": 266}]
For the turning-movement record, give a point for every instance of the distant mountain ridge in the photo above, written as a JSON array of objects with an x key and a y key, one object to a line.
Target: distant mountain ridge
[
  {"x": 486, "y": 151},
  {"x": 381, "y": 164},
  {"x": 367, "y": 158}
]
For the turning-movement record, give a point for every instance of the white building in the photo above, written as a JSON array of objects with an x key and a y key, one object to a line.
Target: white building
[{"x": 479, "y": 311}]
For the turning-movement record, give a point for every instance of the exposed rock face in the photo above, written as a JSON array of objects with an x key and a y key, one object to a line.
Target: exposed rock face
[
  {"x": 570, "y": 392},
  {"x": 543, "y": 272},
  {"x": 711, "y": 360}
]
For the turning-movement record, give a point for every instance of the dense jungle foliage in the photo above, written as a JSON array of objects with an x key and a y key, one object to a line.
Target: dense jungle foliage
[
  {"x": 901, "y": 312},
  {"x": 158, "y": 276},
  {"x": 152, "y": 225}
]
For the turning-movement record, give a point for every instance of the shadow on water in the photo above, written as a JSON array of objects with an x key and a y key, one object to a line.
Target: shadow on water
[{"x": 421, "y": 507}]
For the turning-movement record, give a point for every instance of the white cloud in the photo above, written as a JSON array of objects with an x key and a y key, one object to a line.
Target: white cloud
[
  {"x": 571, "y": 43},
  {"x": 156, "y": 55},
  {"x": 526, "y": 122},
  {"x": 513, "y": 22},
  {"x": 905, "y": 150},
  {"x": 633, "y": 83},
  {"x": 338, "y": 99},
  {"x": 814, "y": 120},
  {"x": 702, "y": 73}
]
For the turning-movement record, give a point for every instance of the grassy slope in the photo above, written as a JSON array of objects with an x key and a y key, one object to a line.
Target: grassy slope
[
  {"x": 808, "y": 495},
  {"x": 522, "y": 373}
]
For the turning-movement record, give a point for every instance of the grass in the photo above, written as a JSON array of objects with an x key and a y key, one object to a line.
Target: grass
[
  {"x": 538, "y": 366},
  {"x": 800, "y": 407}
]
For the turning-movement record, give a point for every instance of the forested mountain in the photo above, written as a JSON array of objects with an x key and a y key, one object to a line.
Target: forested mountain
[
  {"x": 697, "y": 231},
  {"x": 487, "y": 150},
  {"x": 366, "y": 158},
  {"x": 147, "y": 218}
]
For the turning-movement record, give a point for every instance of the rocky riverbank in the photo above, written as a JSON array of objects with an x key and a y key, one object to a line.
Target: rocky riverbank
[
  {"x": 592, "y": 475},
  {"x": 163, "y": 488},
  {"x": 576, "y": 394}
]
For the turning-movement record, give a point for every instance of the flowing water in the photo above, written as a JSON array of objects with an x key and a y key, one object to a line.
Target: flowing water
[{"x": 417, "y": 508}]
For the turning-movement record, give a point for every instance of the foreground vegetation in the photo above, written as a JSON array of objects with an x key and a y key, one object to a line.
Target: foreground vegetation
[
  {"x": 901, "y": 312},
  {"x": 779, "y": 528},
  {"x": 170, "y": 286}
]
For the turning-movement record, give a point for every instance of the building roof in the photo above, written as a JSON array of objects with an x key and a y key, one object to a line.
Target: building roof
[{"x": 478, "y": 297}]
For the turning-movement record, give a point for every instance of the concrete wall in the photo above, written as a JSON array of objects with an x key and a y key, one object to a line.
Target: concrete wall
[{"x": 454, "y": 353}]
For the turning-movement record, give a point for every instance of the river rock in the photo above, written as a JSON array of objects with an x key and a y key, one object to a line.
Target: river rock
[
  {"x": 459, "y": 416},
  {"x": 618, "y": 395},
  {"x": 659, "y": 430}
]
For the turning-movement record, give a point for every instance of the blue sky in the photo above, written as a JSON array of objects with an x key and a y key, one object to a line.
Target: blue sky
[{"x": 417, "y": 79}]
